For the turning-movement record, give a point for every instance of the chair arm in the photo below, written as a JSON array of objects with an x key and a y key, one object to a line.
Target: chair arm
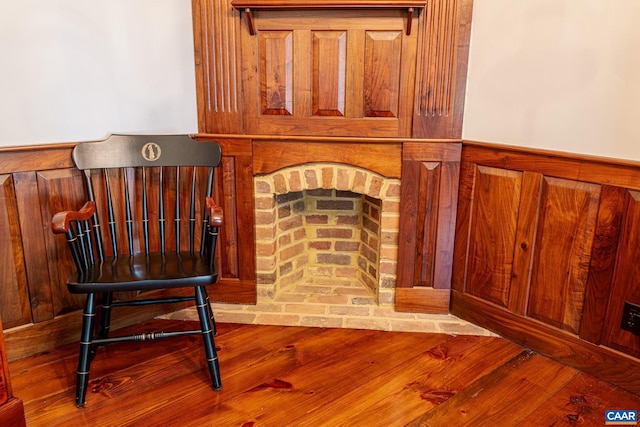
[
  {"x": 61, "y": 220},
  {"x": 215, "y": 213}
]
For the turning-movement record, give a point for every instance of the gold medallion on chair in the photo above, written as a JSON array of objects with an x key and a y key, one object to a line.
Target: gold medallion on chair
[{"x": 151, "y": 151}]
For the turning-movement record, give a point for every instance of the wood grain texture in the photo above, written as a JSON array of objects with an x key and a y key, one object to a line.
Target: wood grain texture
[
  {"x": 574, "y": 242},
  {"x": 276, "y": 72},
  {"x": 496, "y": 197},
  {"x": 562, "y": 252},
  {"x": 14, "y": 297},
  {"x": 32, "y": 231},
  {"x": 428, "y": 197},
  {"x": 384, "y": 159},
  {"x": 527, "y": 380},
  {"x": 603, "y": 258},
  {"x": 560, "y": 345},
  {"x": 328, "y": 72},
  {"x": 216, "y": 32},
  {"x": 626, "y": 279},
  {"x": 445, "y": 31},
  {"x": 382, "y": 72},
  {"x": 321, "y": 376},
  {"x": 11, "y": 408},
  {"x": 234, "y": 193}
]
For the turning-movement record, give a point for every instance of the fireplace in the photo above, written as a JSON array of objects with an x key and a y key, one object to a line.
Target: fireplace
[
  {"x": 327, "y": 217},
  {"x": 319, "y": 224}
]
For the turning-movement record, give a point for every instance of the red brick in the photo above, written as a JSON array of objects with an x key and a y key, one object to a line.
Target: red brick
[
  {"x": 321, "y": 245},
  {"x": 317, "y": 219},
  {"x": 348, "y": 220},
  {"x": 347, "y": 246},
  {"x": 327, "y": 177},
  {"x": 340, "y": 233},
  {"x": 311, "y": 178},
  {"x": 333, "y": 259}
]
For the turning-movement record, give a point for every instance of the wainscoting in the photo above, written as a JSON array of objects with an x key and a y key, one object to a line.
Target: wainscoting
[{"x": 546, "y": 254}]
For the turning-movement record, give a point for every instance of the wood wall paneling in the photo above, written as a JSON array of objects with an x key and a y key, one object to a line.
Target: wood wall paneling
[
  {"x": 496, "y": 198},
  {"x": 428, "y": 211},
  {"x": 14, "y": 298},
  {"x": 276, "y": 72},
  {"x": 626, "y": 279},
  {"x": 329, "y": 76},
  {"x": 603, "y": 260},
  {"x": 563, "y": 252},
  {"x": 216, "y": 29},
  {"x": 329, "y": 72},
  {"x": 445, "y": 28},
  {"x": 382, "y": 72},
  {"x": 571, "y": 242},
  {"x": 59, "y": 190},
  {"x": 234, "y": 193}
]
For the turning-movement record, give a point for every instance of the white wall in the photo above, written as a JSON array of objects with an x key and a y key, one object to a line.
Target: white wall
[
  {"x": 556, "y": 74},
  {"x": 74, "y": 70}
]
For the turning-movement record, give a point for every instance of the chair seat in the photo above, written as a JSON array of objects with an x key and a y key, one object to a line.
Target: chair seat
[{"x": 144, "y": 272}]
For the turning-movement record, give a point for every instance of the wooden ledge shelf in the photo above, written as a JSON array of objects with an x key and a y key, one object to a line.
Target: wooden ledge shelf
[{"x": 247, "y": 6}]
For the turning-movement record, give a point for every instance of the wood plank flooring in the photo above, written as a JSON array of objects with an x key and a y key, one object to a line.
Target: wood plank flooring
[{"x": 295, "y": 376}]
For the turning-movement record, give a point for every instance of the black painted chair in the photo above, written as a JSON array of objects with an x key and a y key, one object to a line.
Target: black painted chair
[{"x": 149, "y": 223}]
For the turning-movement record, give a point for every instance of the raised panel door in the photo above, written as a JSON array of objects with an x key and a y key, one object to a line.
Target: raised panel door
[{"x": 333, "y": 73}]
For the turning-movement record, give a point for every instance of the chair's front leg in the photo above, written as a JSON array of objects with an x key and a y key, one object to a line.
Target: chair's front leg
[
  {"x": 87, "y": 350},
  {"x": 208, "y": 304},
  {"x": 203, "y": 308}
]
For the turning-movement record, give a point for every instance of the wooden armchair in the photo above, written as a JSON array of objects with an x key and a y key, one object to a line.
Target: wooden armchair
[{"x": 149, "y": 223}]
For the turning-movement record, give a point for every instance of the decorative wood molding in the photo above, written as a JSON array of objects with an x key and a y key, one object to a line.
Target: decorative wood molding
[
  {"x": 445, "y": 30},
  {"x": 218, "y": 79},
  {"x": 247, "y": 5}
]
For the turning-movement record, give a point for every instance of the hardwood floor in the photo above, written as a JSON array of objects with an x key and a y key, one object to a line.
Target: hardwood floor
[{"x": 295, "y": 376}]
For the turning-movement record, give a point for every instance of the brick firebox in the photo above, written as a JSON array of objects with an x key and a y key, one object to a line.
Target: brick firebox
[{"x": 321, "y": 222}]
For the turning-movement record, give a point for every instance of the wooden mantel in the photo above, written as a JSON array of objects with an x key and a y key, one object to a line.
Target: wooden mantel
[{"x": 248, "y": 5}]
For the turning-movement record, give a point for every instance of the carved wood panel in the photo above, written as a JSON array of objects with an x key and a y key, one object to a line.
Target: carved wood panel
[
  {"x": 428, "y": 210},
  {"x": 563, "y": 252},
  {"x": 443, "y": 50},
  {"x": 626, "y": 279},
  {"x": 219, "y": 88},
  {"x": 338, "y": 73},
  {"x": 492, "y": 238},
  {"x": 524, "y": 240},
  {"x": 14, "y": 300}
]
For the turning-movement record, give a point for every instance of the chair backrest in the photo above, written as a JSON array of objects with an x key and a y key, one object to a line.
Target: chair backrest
[{"x": 149, "y": 191}]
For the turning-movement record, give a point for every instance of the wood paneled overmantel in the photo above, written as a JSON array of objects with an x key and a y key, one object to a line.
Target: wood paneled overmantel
[{"x": 353, "y": 68}]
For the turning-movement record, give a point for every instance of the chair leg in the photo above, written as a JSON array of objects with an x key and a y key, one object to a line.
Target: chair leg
[
  {"x": 87, "y": 350},
  {"x": 213, "y": 320},
  {"x": 204, "y": 313},
  {"x": 105, "y": 315}
]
